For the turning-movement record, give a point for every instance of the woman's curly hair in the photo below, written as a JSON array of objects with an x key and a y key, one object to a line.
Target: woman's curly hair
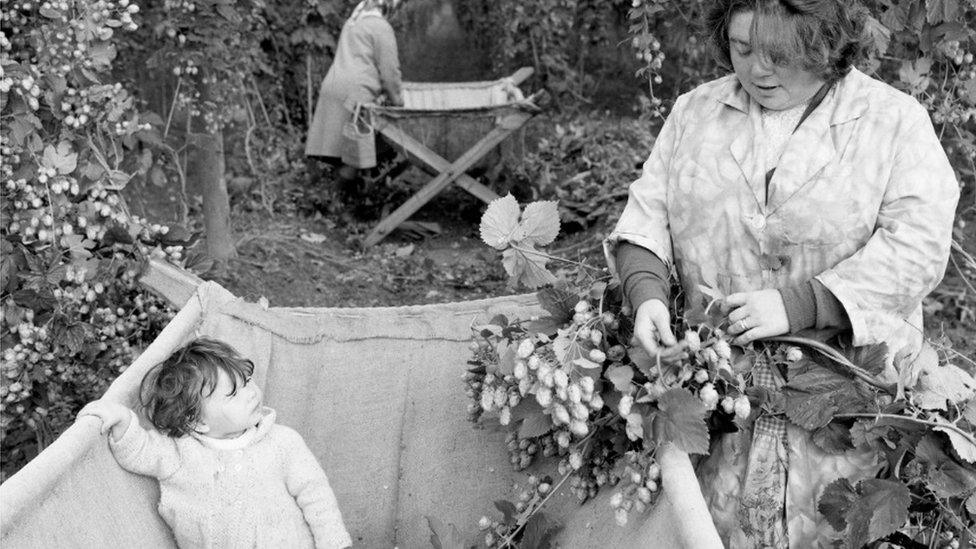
[
  {"x": 172, "y": 392},
  {"x": 826, "y": 37}
]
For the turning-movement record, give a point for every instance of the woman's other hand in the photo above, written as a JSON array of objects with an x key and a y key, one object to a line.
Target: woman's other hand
[
  {"x": 756, "y": 315},
  {"x": 652, "y": 326}
]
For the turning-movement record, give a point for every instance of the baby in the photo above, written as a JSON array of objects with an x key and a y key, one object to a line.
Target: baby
[{"x": 228, "y": 475}]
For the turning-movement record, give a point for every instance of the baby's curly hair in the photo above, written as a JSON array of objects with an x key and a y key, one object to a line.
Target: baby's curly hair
[
  {"x": 172, "y": 392},
  {"x": 826, "y": 37}
]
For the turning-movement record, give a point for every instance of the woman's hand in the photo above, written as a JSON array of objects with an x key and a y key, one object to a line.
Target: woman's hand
[
  {"x": 652, "y": 326},
  {"x": 756, "y": 315},
  {"x": 115, "y": 417}
]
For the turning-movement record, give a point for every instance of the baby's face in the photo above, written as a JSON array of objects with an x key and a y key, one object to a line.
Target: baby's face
[{"x": 227, "y": 415}]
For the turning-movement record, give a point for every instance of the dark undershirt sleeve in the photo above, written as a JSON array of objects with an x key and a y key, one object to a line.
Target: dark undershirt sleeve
[
  {"x": 812, "y": 305},
  {"x": 643, "y": 276}
]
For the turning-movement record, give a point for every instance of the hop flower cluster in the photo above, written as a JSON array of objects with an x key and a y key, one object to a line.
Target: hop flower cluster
[
  {"x": 583, "y": 394},
  {"x": 502, "y": 533},
  {"x": 73, "y": 314}
]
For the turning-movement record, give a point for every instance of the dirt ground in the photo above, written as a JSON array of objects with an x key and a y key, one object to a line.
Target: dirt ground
[
  {"x": 301, "y": 255},
  {"x": 315, "y": 262}
]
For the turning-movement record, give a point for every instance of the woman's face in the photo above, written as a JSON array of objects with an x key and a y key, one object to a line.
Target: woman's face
[{"x": 774, "y": 87}]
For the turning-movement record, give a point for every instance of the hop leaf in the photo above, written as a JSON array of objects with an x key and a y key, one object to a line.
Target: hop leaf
[
  {"x": 566, "y": 348},
  {"x": 60, "y": 158},
  {"x": 558, "y": 302},
  {"x": 500, "y": 223},
  {"x": 445, "y": 536},
  {"x": 503, "y": 227},
  {"x": 963, "y": 445},
  {"x": 881, "y": 509},
  {"x": 621, "y": 377},
  {"x": 814, "y": 397},
  {"x": 836, "y": 502},
  {"x": 526, "y": 266},
  {"x": 681, "y": 420},
  {"x": 937, "y": 384},
  {"x": 540, "y": 223}
]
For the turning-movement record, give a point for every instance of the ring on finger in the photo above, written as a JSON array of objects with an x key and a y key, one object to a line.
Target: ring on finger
[{"x": 742, "y": 325}]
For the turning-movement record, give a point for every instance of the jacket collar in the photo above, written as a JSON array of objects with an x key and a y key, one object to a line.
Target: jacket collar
[
  {"x": 846, "y": 101},
  {"x": 810, "y": 149}
]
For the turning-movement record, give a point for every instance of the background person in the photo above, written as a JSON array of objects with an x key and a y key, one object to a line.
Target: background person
[
  {"x": 366, "y": 67},
  {"x": 813, "y": 196}
]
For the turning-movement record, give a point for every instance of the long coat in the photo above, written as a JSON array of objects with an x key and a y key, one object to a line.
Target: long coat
[
  {"x": 863, "y": 200},
  {"x": 366, "y": 65}
]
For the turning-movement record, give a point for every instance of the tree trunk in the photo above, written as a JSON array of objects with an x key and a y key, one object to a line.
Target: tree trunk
[{"x": 207, "y": 168}]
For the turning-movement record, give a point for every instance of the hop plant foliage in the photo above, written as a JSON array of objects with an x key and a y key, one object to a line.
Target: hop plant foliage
[
  {"x": 518, "y": 234},
  {"x": 73, "y": 315},
  {"x": 579, "y": 394}
]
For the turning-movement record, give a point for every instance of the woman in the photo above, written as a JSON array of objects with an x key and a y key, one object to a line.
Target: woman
[
  {"x": 366, "y": 66},
  {"x": 812, "y": 196}
]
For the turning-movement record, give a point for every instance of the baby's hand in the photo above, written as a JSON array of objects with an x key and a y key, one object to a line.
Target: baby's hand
[{"x": 114, "y": 416}]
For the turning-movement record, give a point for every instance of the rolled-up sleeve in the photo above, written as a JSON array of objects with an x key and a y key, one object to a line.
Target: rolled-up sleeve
[
  {"x": 644, "y": 221},
  {"x": 905, "y": 258}
]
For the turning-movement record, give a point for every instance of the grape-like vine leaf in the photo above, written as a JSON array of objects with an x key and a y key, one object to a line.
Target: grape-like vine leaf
[
  {"x": 506, "y": 358},
  {"x": 539, "y": 532},
  {"x": 620, "y": 376},
  {"x": 500, "y": 223},
  {"x": 969, "y": 412},
  {"x": 508, "y": 510},
  {"x": 681, "y": 420},
  {"x": 445, "y": 536},
  {"x": 535, "y": 425},
  {"x": 60, "y": 159},
  {"x": 880, "y": 508},
  {"x": 815, "y": 396},
  {"x": 835, "y": 503},
  {"x": 526, "y": 265},
  {"x": 540, "y": 223},
  {"x": 566, "y": 348},
  {"x": 559, "y": 302},
  {"x": 945, "y": 476},
  {"x": 938, "y": 384},
  {"x": 963, "y": 446},
  {"x": 517, "y": 234},
  {"x": 833, "y": 438},
  {"x": 503, "y": 225}
]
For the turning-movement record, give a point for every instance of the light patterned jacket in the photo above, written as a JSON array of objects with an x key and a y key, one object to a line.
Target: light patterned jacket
[
  {"x": 366, "y": 65},
  {"x": 863, "y": 200}
]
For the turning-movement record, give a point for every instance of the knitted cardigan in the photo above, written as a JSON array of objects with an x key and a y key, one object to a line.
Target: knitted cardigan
[{"x": 269, "y": 493}]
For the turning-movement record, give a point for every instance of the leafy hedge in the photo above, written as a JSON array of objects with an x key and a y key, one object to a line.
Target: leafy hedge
[
  {"x": 73, "y": 314},
  {"x": 74, "y": 90}
]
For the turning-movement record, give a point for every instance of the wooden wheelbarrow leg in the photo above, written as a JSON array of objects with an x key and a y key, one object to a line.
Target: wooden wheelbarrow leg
[
  {"x": 435, "y": 162},
  {"x": 452, "y": 172}
]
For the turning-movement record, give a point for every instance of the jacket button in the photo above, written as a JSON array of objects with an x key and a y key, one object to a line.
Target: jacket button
[{"x": 759, "y": 222}]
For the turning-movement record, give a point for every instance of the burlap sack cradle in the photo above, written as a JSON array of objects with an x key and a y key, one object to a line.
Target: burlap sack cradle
[{"x": 376, "y": 392}]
